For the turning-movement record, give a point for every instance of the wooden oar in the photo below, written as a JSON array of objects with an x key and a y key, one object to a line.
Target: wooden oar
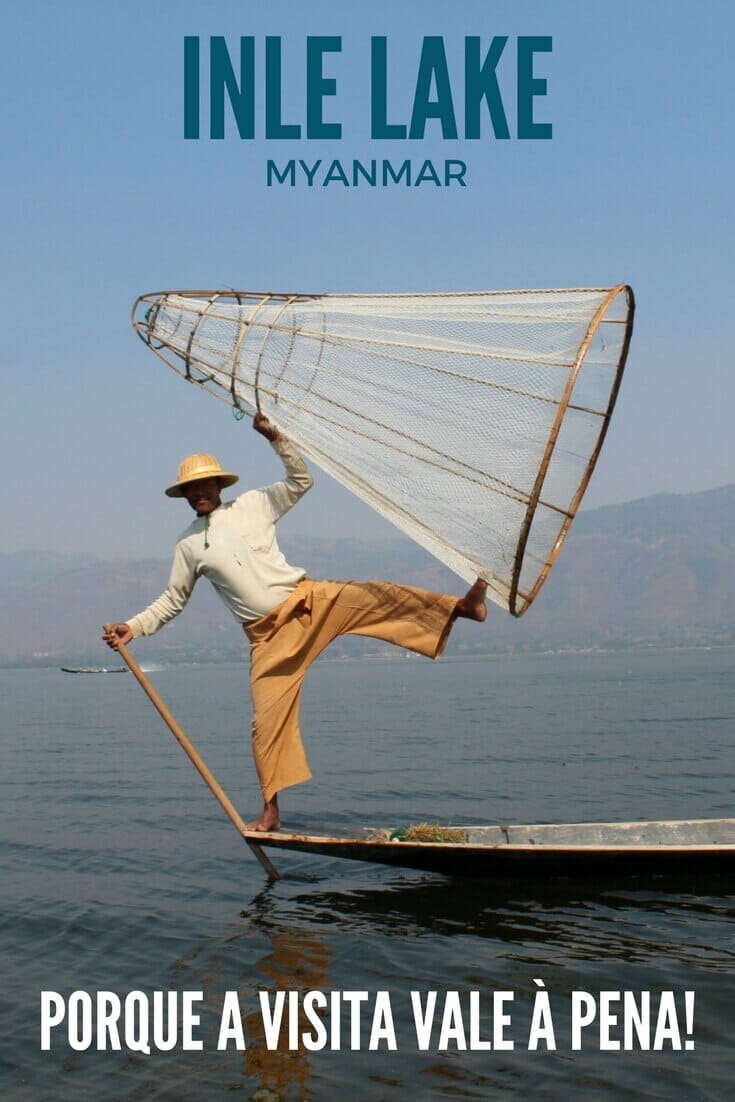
[{"x": 198, "y": 761}]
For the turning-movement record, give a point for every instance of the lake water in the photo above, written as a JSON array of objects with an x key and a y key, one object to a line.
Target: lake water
[{"x": 121, "y": 873}]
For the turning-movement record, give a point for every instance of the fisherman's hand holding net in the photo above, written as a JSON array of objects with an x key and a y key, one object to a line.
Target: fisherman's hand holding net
[{"x": 262, "y": 425}]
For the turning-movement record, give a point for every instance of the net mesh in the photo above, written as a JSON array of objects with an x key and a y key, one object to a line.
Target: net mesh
[{"x": 471, "y": 421}]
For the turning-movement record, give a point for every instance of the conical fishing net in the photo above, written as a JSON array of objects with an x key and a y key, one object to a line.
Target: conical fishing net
[{"x": 471, "y": 421}]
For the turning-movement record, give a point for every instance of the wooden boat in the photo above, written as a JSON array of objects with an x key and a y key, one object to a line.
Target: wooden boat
[
  {"x": 93, "y": 669},
  {"x": 688, "y": 846}
]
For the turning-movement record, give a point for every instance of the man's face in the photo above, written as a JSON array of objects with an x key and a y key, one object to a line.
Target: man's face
[{"x": 203, "y": 495}]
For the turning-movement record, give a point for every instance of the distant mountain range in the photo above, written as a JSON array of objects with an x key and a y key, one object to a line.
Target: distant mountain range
[{"x": 658, "y": 571}]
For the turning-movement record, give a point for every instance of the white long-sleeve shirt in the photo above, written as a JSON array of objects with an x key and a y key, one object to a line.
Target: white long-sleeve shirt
[{"x": 242, "y": 558}]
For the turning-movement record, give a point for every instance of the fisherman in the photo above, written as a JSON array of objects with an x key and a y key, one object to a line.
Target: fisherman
[{"x": 288, "y": 618}]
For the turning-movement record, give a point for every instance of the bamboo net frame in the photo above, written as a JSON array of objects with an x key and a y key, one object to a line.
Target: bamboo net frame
[{"x": 473, "y": 421}]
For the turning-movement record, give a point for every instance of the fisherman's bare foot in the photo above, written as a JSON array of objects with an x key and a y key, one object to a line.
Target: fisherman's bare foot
[
  {"x": 270, "y": 819},
  {"x": 472, "y": 606}
]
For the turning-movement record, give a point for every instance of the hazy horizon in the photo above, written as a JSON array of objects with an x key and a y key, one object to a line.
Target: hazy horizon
[{"x": 288, "y": 527}]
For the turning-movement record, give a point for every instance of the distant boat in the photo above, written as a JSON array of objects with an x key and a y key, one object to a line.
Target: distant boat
[{"x": 94, "y": 669}]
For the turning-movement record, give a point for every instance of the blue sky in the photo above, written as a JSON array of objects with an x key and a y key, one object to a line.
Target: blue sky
[{"x": 102, "y": 199}]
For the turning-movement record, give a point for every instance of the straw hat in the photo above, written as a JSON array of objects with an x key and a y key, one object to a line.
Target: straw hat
[{"x": 199, "y": 466}]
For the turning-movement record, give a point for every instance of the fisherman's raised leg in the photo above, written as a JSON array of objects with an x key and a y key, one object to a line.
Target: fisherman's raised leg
[
  {"x": 473, "y": 605},
  {"x": 405, "y": 616}
]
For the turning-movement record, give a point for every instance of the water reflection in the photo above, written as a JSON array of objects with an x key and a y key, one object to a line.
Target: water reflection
[
  {"x": 588, "y": 920},
  {"x": 296, "y": 961}
]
